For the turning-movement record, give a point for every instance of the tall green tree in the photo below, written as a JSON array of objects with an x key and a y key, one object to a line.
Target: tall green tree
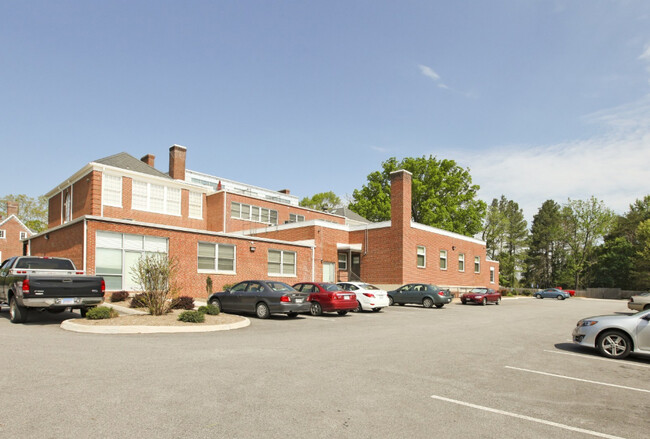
[
  {"x": 585, "y": 223},
  {"x": 511, "y": 257},
  {"x": 495, "y": 227},
  {"x": 546, "y": 255},
  {"x": 641, "y": 270},
  {"x": 31, "y": 211},
  {"x": 321, "y": 201},
  {"x": 442, "y": 195}
]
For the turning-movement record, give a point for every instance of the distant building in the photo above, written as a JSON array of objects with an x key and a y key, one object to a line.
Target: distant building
[
  {"x": 12, "y": 233},
  {"x": 118, "y": 208}
]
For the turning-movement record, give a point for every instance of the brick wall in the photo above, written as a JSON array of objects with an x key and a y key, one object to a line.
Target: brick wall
[
  {"x": 11, "y": 245},
  {"x": 66, "y": 242}
]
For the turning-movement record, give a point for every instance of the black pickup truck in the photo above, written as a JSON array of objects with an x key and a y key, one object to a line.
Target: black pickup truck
[{"x": 52, "y": 284}]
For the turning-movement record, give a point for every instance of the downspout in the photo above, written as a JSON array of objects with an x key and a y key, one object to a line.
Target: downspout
[
  {"x": 313, "y": 262},
  {"x": 224, "y": 212},
  {"x": 85, "y": 246}
]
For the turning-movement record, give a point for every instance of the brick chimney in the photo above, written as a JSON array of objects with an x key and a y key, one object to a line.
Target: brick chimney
[
  {"x": 177, "y": 162},
  {"x": 284, "y": 191},
  {"x": 12, "y": 208},
  {"x": 400, "y": 199},
  {"x": 149, "y": 159}
]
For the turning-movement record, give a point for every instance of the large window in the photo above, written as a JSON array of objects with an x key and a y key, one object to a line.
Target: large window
[
  {"x": 477, "y": 264},
  {"x": 282, "y": 263},
  {"x": 422, "y": 256},
  {"x": 116, "y": 254},
  {"x": 111, "y": 190},
  {"x": 196, "y": 205},
  {"x": 216, "y": 258},
  {"x": 443, "y": 259},
  {"x": 67, "y": 208},
  {"x": 461, "y": 262},
  {"x": 253, "y": 213},
  {"x": 156, "y": 198},
  {"x": 295, "y": 218}
]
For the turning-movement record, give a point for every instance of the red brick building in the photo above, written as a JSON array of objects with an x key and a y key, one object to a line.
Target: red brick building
[
  {"x": 118, "y": 208},
  {"x": 12, "y": 233}
]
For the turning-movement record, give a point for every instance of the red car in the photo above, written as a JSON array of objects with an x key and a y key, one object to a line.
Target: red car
[
  {"x": 571, "y": 292},
  {"x": 327, "y": 297},
  {"x": 482, "y": 296}
]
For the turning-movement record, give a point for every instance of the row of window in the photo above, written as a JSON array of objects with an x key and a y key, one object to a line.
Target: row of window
[
  {"x": 253, "y": 213},
  {"x": 422, "y": 260},
  {"x": 3, "y": 235},
  {"x": 150, "y": 197}
]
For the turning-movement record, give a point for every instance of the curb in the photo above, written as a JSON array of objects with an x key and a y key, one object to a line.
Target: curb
[{"x": 70, "y": 325}]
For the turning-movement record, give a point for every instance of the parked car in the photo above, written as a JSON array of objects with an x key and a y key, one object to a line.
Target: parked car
[
  {"x": 327, "y": 297},
  {"x": 554, "y": 293},
  {"x": 426, "y": 294},
  {"x": 44, "y": 283},
  {"x": 261, "y": 297},
  {"x": 481, "y": 296},
  {"x": 369, "y": 297},
  {"x": 639, "y": 302},
  {"x": 571, "y": 292},
  {"x": 615, "y": 336}
]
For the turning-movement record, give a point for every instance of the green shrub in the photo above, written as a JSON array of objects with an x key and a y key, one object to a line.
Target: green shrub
[
  {"x": 191, "y": 317},
  {"x": 119, "y": 296},
  {"x": 212, "y": 310},
  {"x": 139, "y": 301},
  {"x": 183, "y": 302},
  {"x": 100, "y": 313}
]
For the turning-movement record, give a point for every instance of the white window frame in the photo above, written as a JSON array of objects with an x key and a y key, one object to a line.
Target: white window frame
[
  {"x": 111, "y": 195},
  {"x": 344, "y": 262},
  {"x": 443, "y": 257},
  {"x": 421, "y": 251},
  {"x": 22, "y": 235},
  {"x": 3, "y": 234},
  {"x": 170, "y": 201},
  {"x": 491, "y": 275},
  {"x": 296, "y": 218},
  {"x": 215, "y": 269},
  {"x": 254, "y": 213},
  {"x": 461, "y": 261},
  {"x": 195, "y": 209},
  {"x": 67, "y": 207},
  {"x": 282, "y": 273},
  {"x": 477, "y": 263}
]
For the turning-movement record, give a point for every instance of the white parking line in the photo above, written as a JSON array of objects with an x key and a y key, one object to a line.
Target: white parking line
[
  {"x": 577, "y": 379},
  {"x": 527, "y": 418},
  {"x": 627, "y": 363}
]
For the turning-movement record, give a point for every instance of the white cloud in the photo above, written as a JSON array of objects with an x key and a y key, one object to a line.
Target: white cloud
[
  {"x": 429, "y": 72},
  {"x": 645, "y": 55},
  {"x": 613, "y": 167}
]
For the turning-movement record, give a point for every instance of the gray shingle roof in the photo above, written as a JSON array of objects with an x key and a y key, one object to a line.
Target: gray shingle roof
[
  {"x": 127, "y": 161},
  {"x": 344, "y": 211}
]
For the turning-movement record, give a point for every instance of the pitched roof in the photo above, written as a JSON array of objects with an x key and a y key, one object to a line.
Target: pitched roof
[
  {"x": 124, "y": 160},
  {"x": 344, "y": 211},
  {"x": 6, "y": 220}
]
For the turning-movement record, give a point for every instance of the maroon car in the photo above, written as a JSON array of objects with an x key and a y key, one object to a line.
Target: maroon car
[
  {"x": 481, "y": 296},
  {"x": 327, "y": 297}
]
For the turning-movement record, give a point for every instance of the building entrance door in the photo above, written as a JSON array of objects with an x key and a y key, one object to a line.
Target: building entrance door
[
  {"x": 329, "y": 272},
  {"x": 355, "y": 266}
]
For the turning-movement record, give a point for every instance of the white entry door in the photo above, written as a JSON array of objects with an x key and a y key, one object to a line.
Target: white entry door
[{"x": 329, "y": 273}]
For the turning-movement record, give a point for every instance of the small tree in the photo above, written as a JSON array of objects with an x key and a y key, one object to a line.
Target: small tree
[
  {"x": 208, "y": 285},
  {"x": 155, "y": 274}
]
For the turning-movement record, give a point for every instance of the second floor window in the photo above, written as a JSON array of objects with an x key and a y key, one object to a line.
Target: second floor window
[{"x": 156, "y": 198}]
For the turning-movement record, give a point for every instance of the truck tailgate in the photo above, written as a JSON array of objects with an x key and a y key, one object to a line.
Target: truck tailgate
[{"x": 63, "y": 286}]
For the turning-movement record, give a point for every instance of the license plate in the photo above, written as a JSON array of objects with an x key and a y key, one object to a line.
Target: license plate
[
  {"x": 299, "y": 300},
  {"x": 347, "y": 296},
  {"x": 67, "y": 301}
]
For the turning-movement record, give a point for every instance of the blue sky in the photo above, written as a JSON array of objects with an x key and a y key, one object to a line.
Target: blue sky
[{"x": 540, "y": 99}]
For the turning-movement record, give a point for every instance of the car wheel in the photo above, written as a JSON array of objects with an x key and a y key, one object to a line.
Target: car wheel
[
  {"x": 316, "y": 309},
  {"x": 17, "y": 313},
  {"x": 342, "y": 313},
  {"x": 646, "y": 307},
  {"x": 484, "y": 302},
  {"x": 439, "y": 305},
  {"x": 391, "y": 302},
  {"x": 358, "y": 308},
  {"x": 427, "y": 302},
  {"x": 217, "y": 303},
  {"x": 292, "y": 314},
  {"x": 498, "y": 302},
  {"x": 560, "y": 297},
  {"x": 539, "y": 296},
  {"x": 84, "y": 311},
  {"x": 614, "y": 344},
  {"x": 262, "y": 311},
  {"x": 400, "y": 304},
  {"x": 464, "y": 302}
]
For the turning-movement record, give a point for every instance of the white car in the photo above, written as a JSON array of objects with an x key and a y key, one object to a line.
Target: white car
[{"x": 369, "y": 297}]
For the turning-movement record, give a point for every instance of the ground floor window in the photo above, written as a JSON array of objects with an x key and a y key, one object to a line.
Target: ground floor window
[
  {"x": 443, "y": 259},
  {"x": 117, "y": 253},
  {"x": 422, "y": 256},
  {"x": 477, "y": 264},
  {"x": 216, "y": 258},
  {"x": 491, "y": 275},
  {"x": 281, "y": 263},
  {"x": 343, "y": 261},
  {"x": 461, "y": 262}
]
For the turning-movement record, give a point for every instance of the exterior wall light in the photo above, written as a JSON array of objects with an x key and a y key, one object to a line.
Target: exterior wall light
[{"x": 252, "y": 248}]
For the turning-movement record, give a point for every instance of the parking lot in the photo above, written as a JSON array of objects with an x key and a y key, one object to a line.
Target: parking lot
[{"x": 507, "y": 371}]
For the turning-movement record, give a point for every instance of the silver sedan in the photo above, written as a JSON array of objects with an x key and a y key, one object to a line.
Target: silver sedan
[{"x": 615, "y": 336}]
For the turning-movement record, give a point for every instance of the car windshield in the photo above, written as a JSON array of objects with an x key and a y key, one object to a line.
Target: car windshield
[
  {"x": 279, "y": 286},
  {"x": 331, "y": 287},
  {"x": 478, "y": 290},
  {"x": 368, "y": 287}
]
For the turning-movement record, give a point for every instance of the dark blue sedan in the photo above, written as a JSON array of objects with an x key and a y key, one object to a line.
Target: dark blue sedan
[
  {"x": 552, "y": 293},
  {"x": 262, "y": 297}
]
